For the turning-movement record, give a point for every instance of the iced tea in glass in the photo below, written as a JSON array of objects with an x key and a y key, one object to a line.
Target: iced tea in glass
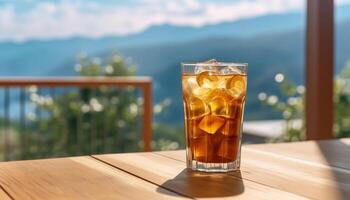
[{"x": 213, "y": 97}]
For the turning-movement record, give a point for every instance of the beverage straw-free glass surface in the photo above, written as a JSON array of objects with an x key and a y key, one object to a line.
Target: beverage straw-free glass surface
[{"x": 213, "y": 96}]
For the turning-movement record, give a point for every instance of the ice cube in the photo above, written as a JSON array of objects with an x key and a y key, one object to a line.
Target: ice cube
[
  {"x": 201, "y": 93},
  {"x": 201, "y": 149},
  {"x": 211, "y": 123},
  {"x": 229, "y": 148},
  {"x": 205, "y": 148},
  {"x": 196, "y": 107},
  {"x": 207, "y": 66},
  {"x": 197, "y": 132},
  {"x": 237, "y": 86},
  {"x": 231, "y": 128},
  {"x": 193, "y": 130},
  {"x": 230, "y": 70},
  {"x": 222, "y": 105},
  {"x": 211, "y": 61},
  {"x": 238, "y": 82},
  {"x": 190, "y": 83},
  {"x": 191, "y": 87},
  {"x": 221, "y": 83},
  {"x": 207, "y": 80}
]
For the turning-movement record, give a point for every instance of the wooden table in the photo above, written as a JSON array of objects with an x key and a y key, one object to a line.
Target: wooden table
[{"x": 318, "y": 170}]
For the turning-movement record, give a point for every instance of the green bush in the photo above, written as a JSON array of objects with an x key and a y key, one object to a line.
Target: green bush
[{"x": 291, "y": 106}]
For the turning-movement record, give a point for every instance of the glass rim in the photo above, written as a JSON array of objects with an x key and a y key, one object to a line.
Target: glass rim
[{"x": 218, "y": 64}]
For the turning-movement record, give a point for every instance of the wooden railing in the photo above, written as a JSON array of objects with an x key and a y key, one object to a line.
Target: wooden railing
[{"x": 8, "y": 83}]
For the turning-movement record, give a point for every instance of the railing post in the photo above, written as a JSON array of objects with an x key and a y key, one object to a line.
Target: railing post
[
  {"x": 6, "y": 136},
  {"x": 147, "y": 116},
  {"x": 319, "y": 70},
  {"x": 23, "y": 136}
]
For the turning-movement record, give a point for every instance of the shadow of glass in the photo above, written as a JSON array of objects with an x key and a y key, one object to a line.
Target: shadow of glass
[
  {"x": 200, "y": 184},
  {"x": 336, "y": 153}
]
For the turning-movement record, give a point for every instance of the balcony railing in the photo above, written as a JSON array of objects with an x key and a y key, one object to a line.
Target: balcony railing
[{"x": 52, "y": 86}]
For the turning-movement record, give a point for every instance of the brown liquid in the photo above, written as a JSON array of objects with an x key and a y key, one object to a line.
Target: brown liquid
[{"x": 213, "y": 107}]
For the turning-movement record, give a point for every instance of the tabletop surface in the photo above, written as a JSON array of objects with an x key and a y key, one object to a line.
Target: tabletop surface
[{"x": 302, "y": 170}]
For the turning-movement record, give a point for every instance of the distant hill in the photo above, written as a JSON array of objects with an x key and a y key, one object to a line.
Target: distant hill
[
  {"x": 267, "y": 54},
  {"x": 39, "y": 57},
  {"x": 42, "y": 57},
  {"x": 270, "y": 44}
]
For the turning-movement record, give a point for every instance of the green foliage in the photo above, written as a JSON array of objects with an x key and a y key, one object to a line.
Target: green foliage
[
  {"x": 84, "y": 121},
  {"x": 342, "y": 103},
  {"x": 291, "y": 106},
  {"x": 167, "y": 137}
]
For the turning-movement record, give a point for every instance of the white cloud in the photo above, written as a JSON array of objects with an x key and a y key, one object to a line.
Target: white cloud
[{"x": 92, "y": 19}]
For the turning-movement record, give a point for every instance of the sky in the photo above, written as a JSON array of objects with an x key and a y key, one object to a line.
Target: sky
[{"x": 22, "y": 20}]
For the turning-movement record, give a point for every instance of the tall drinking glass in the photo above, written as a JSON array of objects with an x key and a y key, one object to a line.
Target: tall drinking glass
[{"x": 213, "y": 97}]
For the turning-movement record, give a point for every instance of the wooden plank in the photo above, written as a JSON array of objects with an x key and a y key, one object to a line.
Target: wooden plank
[
  {"x": 328, "y": 152},
  {"x": 171, "y": 174},
  {"x": 312, "y": 180},
  {"x": 75, "y": 178},
  {"x": 319, "y": 70}
]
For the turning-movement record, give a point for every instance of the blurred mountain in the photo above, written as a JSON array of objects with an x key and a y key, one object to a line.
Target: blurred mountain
[
  {"x": 267, "y": 54},
  {"x": 39, "y": 57},
  {"x": 270, "y": 44}
]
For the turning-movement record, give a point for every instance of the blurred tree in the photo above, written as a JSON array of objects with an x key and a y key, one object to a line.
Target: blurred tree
[{"x": 291, "y": 106}]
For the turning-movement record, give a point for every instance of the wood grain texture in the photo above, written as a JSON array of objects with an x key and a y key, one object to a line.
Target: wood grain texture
[
  {"x": 87, "y": 81},
  {"x": 269, "y": 171},
  {"x": 4, "y": 195},
  {"x": 171, "y": 174},
  {"x": 74, "y": 178},
  {"x": 328, "y": 152},
  {"x": 307, "y": 178}
]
